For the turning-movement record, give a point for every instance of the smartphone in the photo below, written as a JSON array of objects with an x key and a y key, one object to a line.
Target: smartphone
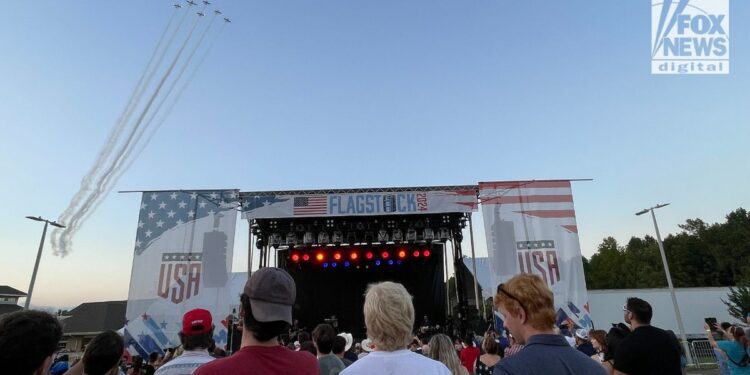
[{"x": 711, "y": 323}]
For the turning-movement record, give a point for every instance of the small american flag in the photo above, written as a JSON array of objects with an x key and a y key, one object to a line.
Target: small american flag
[{"x": 311, "y": 205}]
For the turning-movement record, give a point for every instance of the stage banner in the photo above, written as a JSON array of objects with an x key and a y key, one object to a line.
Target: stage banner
[
  {"x": 531, "y": 228},
  {"x": 269, "y": 206},
  {"x": 182, "y": 261}
]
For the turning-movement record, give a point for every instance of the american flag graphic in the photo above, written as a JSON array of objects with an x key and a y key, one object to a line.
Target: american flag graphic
[{"x": 310, "y": 205}]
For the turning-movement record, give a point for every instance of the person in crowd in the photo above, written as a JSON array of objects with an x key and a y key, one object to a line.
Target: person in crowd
[
  {"x": 485, "y": 364},
  {"x": 735, "y": 349},
  {"x": 583, "y": 344},
  {"x": 599, "y": 343},
  {"x": 60, "y": 365},
  {"x": 309, "y": 346},
  {"x": 565, "y": 331},
  {"x": 513, "y": 348},
  {"x": 323, "y": 336},
  {"x": 149, "y": 368},
  {"x": 683, "y": 358},
  {"x": 137, "y": 367},
  {"x": 304, "y": 337},
  {"x": 265, "y": 312},
  {"x": 647, "y": 349},
  {"x": 366, "y": 346},
  {"x": 28, "y": 339},
  {"x": 349, "y": 347},
  {"x": 339, "y": 348},
  {"x": 389, "y": 318},
  {"x": 469, "y": 353},
  {"x": 528, "y": 311},
  {"x": 102, "y": 356},
  {"x": 442, "y": 350},
  {"x": 196, "y": 338}
]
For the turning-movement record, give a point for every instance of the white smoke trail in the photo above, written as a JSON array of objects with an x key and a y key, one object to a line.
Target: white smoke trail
[
  {"x": 75, "y": 217},
  {"x": 114, "y": 135}
]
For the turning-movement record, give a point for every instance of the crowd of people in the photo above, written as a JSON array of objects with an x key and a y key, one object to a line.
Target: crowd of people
[{"x": 529, "y": 342}]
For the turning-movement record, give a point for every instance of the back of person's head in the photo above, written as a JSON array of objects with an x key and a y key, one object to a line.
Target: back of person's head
[
  {"x": 308, "y": 346},
  {"x": 323, "y": 336},
  {"x": 389, "y": 315},
  {"x": 468, "y": 340},
  {"x": 725, "y": 326},
  {"x": 103, "y": 353},
  {"x": 266, "y": 303},
  {"x": 137, "y": 362},
  {"x": 304, "y": 336},
  {"x": 616, "y": 334},
  {"x": 529, "y": 293},
  {"x": 739, "y": 335},
  {"x": 153, "y": 357},
  {"x": 197, "y": 330},
  {"x": 27, "y": 341},
  {"x": 489, "y": 345},
  {"x": 600, "y": 337},
  {"x": 339, "y": 345},
  {"x": 441, "y": 349},
  {"x": 640, "y": 309}
]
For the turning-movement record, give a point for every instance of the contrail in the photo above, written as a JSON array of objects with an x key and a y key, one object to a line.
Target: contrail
[
  {"x": 114, "y": 135},
  {"x": 75, "y": 215}
]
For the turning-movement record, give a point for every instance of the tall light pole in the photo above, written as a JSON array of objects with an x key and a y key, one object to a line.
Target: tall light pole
[
  {"x": 38, "y": 255},
  {"x": 680, "y": 326}
]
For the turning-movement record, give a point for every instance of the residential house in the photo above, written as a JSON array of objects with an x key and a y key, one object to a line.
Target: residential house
[
  {"x": 89, "y": 319},
  {"x": 9, "y": 299}
]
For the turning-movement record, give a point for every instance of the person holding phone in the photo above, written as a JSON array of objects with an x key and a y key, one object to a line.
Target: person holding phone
[{"x": 735, "y": 350}]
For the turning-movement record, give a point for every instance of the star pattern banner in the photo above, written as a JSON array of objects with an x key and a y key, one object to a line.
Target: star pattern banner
[{"x": 182, "y": 260}]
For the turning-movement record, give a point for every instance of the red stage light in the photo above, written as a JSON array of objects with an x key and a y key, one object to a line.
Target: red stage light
[
  {"x": 305, "y": 257},
  {"x": 385, "y": 255},
  {"x": 337, "y": 256},
  {"x": 415, "y": 253},
  {"x": 295, "y": 258},
  {"x": 402, "y": 254},
  {"x": 354, "y": 256},
  {"x": 319, "y": 257},
  {"x": 426, "y": 253},
  {"x": 368, "y": 255}
]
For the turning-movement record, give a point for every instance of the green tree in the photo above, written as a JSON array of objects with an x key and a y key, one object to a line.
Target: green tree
[{"x": 739, "y": 302}]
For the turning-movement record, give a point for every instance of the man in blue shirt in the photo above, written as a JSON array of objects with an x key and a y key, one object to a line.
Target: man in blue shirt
[{"x": 527, "y": 306}]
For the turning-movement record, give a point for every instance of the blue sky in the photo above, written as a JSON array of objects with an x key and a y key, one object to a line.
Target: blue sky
[{"x": 299, "y": 94}]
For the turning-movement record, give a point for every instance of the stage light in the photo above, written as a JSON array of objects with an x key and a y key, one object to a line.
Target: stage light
[
  {"x": 398, "y": 262},
  {"x": 398, "y": 235},
  {"x": 385, "y": 255},
  {"x": 319, "y": 257},
  {"x": 347, "y": 264},
  {"x": 402, "y": 254},
  {"x": 307, "y": 239},
  {"x": 334, "y": 264},
  {"x": 383, "y": 236},
  {"x": 325, "y": 265},
  {"x": 353, "y": 255},
  {"x": 337, "y": 256},
  {"x": 428, "y": 235},
  {"x": 411, "y": 235},
  {"x": 390, "y": 262},
  {"x": 377, "y": 262},
  {"x": 415, "y": 253},
  {"x": 306, "y": 257},
  {"x": 323, "y": 238},
  {"x": 291, "y": 238},
  {"x": 275, "y": 240},
  {"x": 338, "y": 237},
  {"x": 368, "y": 255},
  {"x": 444, "y": 234},
  {"x": 426, "y": 253},
  {"x": 295, "y": 258}
]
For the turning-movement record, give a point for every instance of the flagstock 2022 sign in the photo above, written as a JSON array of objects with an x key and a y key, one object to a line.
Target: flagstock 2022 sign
[
  {"x": 268, "y": 206},
  {"x": 690, "y": 36},
  {"x": 182, "y": 261},
  {"x": 531, "y": 228}
]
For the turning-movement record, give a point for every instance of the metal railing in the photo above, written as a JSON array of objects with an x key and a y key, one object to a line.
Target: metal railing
[{"x": 703, "y": 353}]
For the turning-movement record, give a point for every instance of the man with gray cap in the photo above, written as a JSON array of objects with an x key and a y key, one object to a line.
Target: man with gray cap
[{"x": 265, "y": 312}]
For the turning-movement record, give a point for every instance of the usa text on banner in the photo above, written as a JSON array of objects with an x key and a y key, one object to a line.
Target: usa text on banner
[
  {"x": 183, "y": 256},
  {"x": 531, "y": 228}
]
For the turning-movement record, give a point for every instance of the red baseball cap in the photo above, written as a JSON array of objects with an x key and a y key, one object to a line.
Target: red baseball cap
[{"x": 196, "y": 322}]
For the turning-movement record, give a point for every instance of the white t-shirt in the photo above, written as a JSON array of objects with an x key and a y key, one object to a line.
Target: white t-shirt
[
  {"x": 185, "y": 364},
  {"x": 395, "y": 363}
]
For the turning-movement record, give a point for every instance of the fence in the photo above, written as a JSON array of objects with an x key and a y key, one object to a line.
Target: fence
[{"x": 703, "y": 354}]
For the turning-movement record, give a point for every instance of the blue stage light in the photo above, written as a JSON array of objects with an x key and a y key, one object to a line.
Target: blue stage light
[
  {"x": 390, "y": 262},
  {"x": 398, "y": 262},
  {"x": 347, "y": 264},
  {"x": 334, "y": 264},
  {"x": 377, "y": 262},
  {"x": 325, "y": 265}
]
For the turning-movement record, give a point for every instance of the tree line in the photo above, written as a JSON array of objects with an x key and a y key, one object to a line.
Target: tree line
[{"x": 700, "y": 255}]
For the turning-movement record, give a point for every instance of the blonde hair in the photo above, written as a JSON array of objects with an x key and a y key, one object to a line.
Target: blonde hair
[
  {"x": 441, "y": 349},
  {"x": 389, "y": 316},
  {"x": 535, "y": 299}
]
